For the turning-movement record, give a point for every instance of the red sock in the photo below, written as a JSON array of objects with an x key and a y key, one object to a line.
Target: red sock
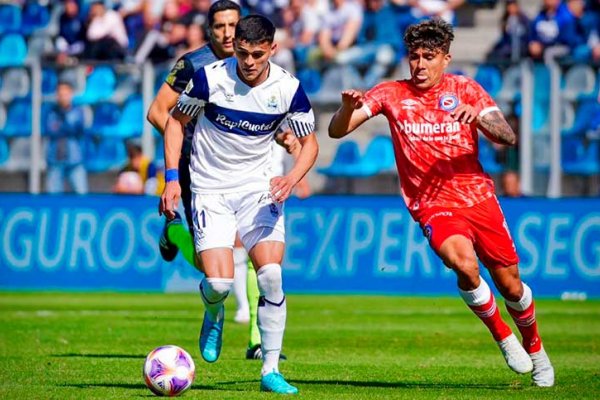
[
  {"x": 525, "y": 321},
  {"x": 490, "y": 315}
]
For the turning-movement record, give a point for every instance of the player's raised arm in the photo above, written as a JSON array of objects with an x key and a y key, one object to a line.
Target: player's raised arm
[
  {"x": 349, "y": 116},
  {"x": 496, "y": 128}
]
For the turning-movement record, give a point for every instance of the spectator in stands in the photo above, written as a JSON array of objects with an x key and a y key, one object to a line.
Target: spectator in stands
[
  {"x": 106, "y": 34},
  {"x": 515, "y": 32},
  {"x": 64, "y": 125},
  {"x": 162, "y": 42},
  {"x": 443, "y": 9},
  {"x": 378, "y": 46},
  {"x": 196, "y": 38},
  {"x": 198, "y": 14},
  {"x": 340, "y": 29},
  {"x": 510, "y": 183},
  {"x": 139, "y": 175},
  {"x": 302, "y": 21},
  {"x": 509, "y": 158},
  {"x": 71, "y": 34},
  {"x": 556, "y": 32},
  {"x": 272, "y": 9},
  {"x": 133, "y": 13},
  {"x": 580, "y": 30}
]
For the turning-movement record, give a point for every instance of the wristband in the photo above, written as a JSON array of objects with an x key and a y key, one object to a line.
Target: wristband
[{"x": 171, "y": 175}]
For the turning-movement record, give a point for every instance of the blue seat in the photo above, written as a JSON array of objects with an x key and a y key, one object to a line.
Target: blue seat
[
  {"x": 34, "y": 16},
  {"x": 345, "y": 160},
  {"x": 18, "y": 121},
  {"x": 310, "y": 80},
  {"x": 580, "y": 157},
  {"x": 10, "y": 18},
  {"x": 13, "y": 50},
  {"x": 46, "y": 107},
  {"x": 99, "y": 86},
  {"x": 106, "y": 115},
  {"x": 579, "y": 83},
  {"x": 49, "y": 81},
  {"x": 131, "y": 120},
  {"x": 378, "y": 157},
  {"x": 541, "y": 83},
  {"x": 490, "y": 78},
  {"x": 4, "y": 151},
  {"x": 585, "y": 114},
  {"x": 487, "y": 157},
  {"x": 104, "y": 154}
]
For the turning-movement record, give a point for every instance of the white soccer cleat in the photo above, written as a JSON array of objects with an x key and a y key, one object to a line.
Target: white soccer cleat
[
  {"x": 543, "y": 372},
  {"x": 515, "y": 355}
]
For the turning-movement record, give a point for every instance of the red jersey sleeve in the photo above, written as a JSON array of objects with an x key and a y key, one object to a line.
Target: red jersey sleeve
[
  {"x": 479, "y": 98},
  {"x": 375, "y": 99}
]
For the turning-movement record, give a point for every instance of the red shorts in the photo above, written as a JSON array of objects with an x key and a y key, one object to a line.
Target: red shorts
[{"x": 483, "y": 224}]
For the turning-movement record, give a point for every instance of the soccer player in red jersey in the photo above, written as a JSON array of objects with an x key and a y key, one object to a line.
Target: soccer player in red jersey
[{"x": 434, "y": 120}]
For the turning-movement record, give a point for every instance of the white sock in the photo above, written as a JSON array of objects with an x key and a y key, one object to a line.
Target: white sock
[
  {"x": 271, "y": 315},
  {"x": 478, "y": 296},
  {"x": 240, "y": 257},
  {"x": 214, "y": 291},
  {"x": 524, "y": 302}
]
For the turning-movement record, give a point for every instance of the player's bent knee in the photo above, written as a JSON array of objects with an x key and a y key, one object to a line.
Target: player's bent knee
[
  {"x": 269, "y": 278},
  {"x": 219, "y": 286}
]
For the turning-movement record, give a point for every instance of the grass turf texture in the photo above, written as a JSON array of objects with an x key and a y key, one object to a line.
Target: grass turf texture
[{"x": 83, "y": 346}]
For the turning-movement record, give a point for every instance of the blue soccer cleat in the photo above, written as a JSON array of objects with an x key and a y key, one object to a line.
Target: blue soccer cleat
[
  {"x": 168, "y": 250},
  {"x": 274, "y": 382},
  {"x": 211, "y": 337}
]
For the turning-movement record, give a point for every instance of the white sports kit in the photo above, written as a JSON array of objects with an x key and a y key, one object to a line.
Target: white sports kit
[{"x": 232, "y": 161}]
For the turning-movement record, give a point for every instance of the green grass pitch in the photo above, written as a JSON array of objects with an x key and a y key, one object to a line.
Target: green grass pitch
[{"x": 92, "y": 346}]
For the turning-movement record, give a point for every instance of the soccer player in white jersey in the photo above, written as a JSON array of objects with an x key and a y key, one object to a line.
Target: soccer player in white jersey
[{"x": 240, "y": 103}]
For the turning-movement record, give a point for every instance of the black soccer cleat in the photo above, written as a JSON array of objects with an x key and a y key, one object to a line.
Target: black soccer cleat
[
  {"x": 255, "y": 353},
  {"x": 168, "y": 250}
]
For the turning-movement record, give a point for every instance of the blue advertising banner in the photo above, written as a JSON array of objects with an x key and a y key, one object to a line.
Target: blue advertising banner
[{"x": 335, "y": 244}]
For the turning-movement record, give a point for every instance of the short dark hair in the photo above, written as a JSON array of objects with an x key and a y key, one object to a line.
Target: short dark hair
[
  {"x": 433, "y": 34},
  {"x": 255, "y": 29},
  {"x": 221, "y": 5}
]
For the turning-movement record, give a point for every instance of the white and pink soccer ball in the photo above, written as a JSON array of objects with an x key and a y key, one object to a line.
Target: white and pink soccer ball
[{"x": 169, "y": 370}]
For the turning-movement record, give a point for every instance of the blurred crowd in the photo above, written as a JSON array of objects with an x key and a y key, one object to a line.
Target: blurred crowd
[
  {"x": 312, "y": 34},
  {"x": 568, "y": 29}
]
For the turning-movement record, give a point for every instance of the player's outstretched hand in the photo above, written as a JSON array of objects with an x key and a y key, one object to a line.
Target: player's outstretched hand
[
  {"x": 352, "y": 98},
  {"x": 281, "y": 188},
  {"x": 169, "y": 199},
  {"x": 464, "y": 113}
]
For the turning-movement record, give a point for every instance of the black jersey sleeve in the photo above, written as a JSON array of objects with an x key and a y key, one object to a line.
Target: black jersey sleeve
[{"x": 180, "y": 74}]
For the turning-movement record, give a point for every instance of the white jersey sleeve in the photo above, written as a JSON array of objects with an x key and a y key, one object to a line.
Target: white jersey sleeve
[
  {"x": 301, "y": 118},
  {"x": 195, "y": 95}
]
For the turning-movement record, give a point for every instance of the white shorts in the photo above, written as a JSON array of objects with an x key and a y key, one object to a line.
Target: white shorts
[{"x": 254, "y": 215}]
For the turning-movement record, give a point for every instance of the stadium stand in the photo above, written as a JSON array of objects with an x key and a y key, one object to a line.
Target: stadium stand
[
  {"x": 13, "y": 50},
  {"x": 115, "y": 93}
]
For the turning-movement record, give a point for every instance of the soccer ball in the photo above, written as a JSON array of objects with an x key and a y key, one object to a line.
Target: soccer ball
[{"x": 169, "y": 371}]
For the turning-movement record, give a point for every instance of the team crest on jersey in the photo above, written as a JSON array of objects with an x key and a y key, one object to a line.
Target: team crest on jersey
[
  {"x": 189, "y": 86},
  {"x": 448, "y": 102},
  {"x": 229, "y": 96},
  {"x": 427, "y": 231},
  {"x": 173, "y": 74},
  {"x": 272, "y": 102},
  {"x": 408, "y": 104}
]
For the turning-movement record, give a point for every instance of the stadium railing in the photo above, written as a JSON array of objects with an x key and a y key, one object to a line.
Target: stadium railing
[{"x": 117, "y": 95}]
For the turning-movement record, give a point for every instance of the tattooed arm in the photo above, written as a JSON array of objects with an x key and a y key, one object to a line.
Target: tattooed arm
[{"x": 495, "y": 127}]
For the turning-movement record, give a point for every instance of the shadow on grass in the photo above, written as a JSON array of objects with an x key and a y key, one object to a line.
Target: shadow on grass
[
  {"x": 91, "y": 355},
  {"x": 407, "y": 385},
  {"x": 137, "y": 386}
]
